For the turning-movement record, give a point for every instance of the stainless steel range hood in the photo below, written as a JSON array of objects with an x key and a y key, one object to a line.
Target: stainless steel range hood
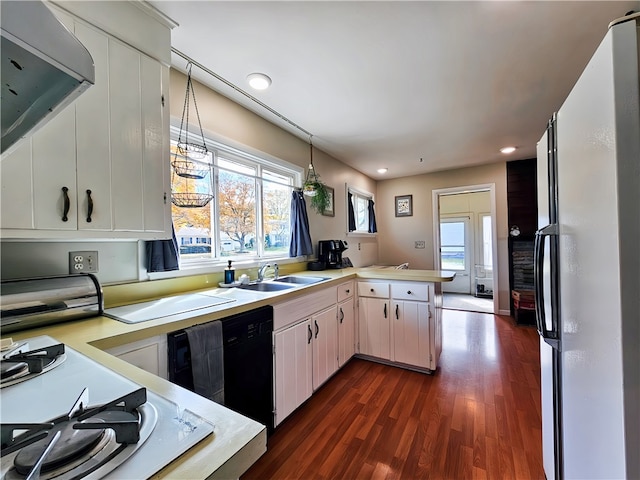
[{"x": 44, "y": 68}]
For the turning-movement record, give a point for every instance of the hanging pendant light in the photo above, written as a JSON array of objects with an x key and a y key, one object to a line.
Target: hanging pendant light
[{"x": 190, "y": 157}]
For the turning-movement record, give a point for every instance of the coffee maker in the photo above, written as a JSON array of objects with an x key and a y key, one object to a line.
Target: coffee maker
[{"x": 330, "y": 252}]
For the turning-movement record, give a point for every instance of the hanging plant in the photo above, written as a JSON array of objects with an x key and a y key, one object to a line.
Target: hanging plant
[
  {"x": 320, "y": 199},
  {"x": 314, "y": 188}
]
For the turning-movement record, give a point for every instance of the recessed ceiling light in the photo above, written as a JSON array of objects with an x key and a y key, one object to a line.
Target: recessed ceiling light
[
  {"x": 259, "y": 81},
  {"x": 508, "y": 150},
  {"x": 383, "y": 170}
]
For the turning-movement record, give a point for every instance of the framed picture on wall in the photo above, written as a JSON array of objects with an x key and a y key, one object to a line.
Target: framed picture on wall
[
  {"x": 404, "y": 206},
  {"x": 330, "y": 210}
]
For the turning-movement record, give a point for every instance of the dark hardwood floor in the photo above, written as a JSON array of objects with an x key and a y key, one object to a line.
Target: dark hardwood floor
[{"x": 478, "y": 416}]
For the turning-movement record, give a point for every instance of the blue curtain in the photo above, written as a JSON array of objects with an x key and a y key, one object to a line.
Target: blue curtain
[
  {"x": 373, "y": 228},
  {"x": 352, "y": 214},
  {"x": 300, "y": 237},
  {"x": 163, "y": 255}
]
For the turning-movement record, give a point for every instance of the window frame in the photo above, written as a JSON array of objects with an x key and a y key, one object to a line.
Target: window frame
[
  {"x": 248, "y": 156},
  {"x": 357, "y": 193}
]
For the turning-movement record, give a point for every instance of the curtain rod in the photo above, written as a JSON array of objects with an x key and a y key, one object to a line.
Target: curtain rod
[{"x": 239, "y": 90}]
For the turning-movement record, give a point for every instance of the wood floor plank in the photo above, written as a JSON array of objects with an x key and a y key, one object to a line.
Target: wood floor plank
[{"x": 478, "y": 416}]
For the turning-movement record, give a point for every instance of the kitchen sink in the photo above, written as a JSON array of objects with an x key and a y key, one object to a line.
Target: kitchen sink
[
  {"x": 300, "y": 280},
  {"x": 266, "y": 287}
]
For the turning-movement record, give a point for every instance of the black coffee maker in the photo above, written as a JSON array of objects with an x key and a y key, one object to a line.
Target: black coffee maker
[{"x": 330, "y": 252}]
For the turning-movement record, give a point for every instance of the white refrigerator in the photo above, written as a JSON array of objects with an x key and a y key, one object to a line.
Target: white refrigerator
[{"x": 587, "y": 268}]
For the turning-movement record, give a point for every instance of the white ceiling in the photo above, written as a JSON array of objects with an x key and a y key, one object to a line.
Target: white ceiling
[{"x": 414, "y": 86}]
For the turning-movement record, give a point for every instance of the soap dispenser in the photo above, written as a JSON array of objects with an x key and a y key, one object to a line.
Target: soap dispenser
[{"x": 229, "y": 274}]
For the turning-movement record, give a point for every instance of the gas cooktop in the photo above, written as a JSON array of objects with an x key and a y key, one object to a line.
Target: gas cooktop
[{"x": 78, "y": 419}]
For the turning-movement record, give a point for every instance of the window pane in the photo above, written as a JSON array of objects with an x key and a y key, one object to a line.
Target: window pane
[
  {"x": 452, "y": 233},
  {"x": 236, "y": 167},
  {"x": 237, "y": 204},
  {"x": 487, "y": 253},
  {"x": 452, "y": 258},
  {"x": 362, "y": 214},
  {"x": 192, "y": 225},
  {"x": 276, "y": 218}
]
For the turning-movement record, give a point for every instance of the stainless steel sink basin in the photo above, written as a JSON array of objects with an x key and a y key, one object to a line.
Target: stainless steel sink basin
[
  {"x": 300, "y": 280},
  {"x": 266, "y": 287}
]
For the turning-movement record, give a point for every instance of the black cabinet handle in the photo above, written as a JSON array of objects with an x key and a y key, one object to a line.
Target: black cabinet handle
[
  {"x": 341, "y": 315},
  {"x": 397, "y": 314},
  {"x": 348, "y": 290},
  {"x": 67, "y": 204},
  {"x": 372, "y": 290},
  {"x": 89, "y": 206},
  {"x": 317, "y": 327},
  {"x": 408, "y": 292},
  {"x": 310, "y": 334},
  {"x": 385, "y": 310}
]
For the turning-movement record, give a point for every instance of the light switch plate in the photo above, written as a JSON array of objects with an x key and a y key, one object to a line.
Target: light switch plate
[{"x": 83, "y": 262}]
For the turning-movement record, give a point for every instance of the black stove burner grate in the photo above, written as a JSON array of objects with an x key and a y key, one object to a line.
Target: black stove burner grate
[
  {"x": 69, "y": 443},
  {"x": 34, "y": 361}
]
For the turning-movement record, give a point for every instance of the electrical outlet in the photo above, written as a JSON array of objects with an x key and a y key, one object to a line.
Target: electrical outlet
[
  {"x": 419, "y": 243},
  {"x": 83, "y": 262}
]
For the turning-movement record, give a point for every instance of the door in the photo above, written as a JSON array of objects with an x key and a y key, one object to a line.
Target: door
[
  {"x": 456, "y": 252},
  {"x": 325, "y": 345},
  {"x": 374, "y": 327},
  {"x": 410, "y": 325},
  {"x": 346, "y": 331},
  {"x": 293, "y": 358}
]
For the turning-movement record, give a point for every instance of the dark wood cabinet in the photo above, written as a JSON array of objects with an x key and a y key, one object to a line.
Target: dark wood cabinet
[{"x": 522, "y": 211}]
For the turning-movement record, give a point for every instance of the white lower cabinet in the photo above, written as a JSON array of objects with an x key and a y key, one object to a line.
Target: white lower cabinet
[
  {"x": 346, "y": 322},
  {"x": 292, "y": 376},
  {"x": 399, "y": 322},
  {"x": 410, "y": 325},
  {"x": 374, "y": 327},
  {"x": 149, "y": 354},
  {"x": 325, "y": 345},
  {"x": 305, "y": 348}
]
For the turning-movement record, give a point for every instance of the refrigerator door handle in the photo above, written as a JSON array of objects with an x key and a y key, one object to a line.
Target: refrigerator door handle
[{"x": 550, "y": 336}]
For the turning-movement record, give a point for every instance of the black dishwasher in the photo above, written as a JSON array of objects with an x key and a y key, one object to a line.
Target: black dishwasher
[{"x": 248, "y": 363}]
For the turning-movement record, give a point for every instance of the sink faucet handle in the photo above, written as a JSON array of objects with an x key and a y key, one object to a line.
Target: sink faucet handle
[{"x": 275, "y": 270}]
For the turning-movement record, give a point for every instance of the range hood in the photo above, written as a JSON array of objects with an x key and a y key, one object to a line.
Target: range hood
[{"x": 44, "y": 68}]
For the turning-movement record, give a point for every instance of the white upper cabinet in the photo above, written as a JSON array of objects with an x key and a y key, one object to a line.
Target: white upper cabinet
[{"x": 100, "y": 168}]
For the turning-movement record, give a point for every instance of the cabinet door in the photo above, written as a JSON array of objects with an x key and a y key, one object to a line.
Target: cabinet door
[
  {"x": 374, "y": 327},
  {"x": 155, "y": 161},
  {"x": 126, "y": 136},
  {"x": 93, "y": 132},
  {"x": 410, "y": 324},
  {"x": 34, "y": 176},
  {"x": 346, "y": 331},
  {"x": 325, "y": 345},
  {"x": 293, "y": 377},
  {"x": 54, "y": 168}
]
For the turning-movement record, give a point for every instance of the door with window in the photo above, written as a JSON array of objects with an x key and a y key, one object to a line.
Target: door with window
[{"x": 456, "y": 253}]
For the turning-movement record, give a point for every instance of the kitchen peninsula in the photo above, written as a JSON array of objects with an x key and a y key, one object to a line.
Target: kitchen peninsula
[{"x": 237, "y": 442}]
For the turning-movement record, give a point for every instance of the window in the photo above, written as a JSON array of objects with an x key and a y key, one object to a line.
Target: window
[
  {"x": 249, "y": 215},
  {"x": 360, "y": 202},
  {"x": 452, "y": 245}
]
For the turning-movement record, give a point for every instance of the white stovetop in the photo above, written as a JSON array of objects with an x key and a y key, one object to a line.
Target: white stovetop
[{"x": 52, "y": 394}]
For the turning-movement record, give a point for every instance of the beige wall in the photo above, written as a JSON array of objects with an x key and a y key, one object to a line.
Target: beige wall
[
  {"x": 396, "y": 242},
  {"x": 224, "y": 119}
]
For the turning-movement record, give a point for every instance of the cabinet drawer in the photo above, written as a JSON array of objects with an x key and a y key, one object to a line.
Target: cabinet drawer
[
  {"x": 287, "y": 313},
  {"x": 410, "y": 291},
  {"x": 345, "y": 290},
  {"x": 373, "y": 289}
]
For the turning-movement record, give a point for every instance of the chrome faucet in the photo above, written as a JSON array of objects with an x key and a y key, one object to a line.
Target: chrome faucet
[{"x": 261, "y": 270}]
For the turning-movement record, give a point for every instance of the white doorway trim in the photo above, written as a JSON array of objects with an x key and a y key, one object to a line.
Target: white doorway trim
[{"x": 491, "y": 188}]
